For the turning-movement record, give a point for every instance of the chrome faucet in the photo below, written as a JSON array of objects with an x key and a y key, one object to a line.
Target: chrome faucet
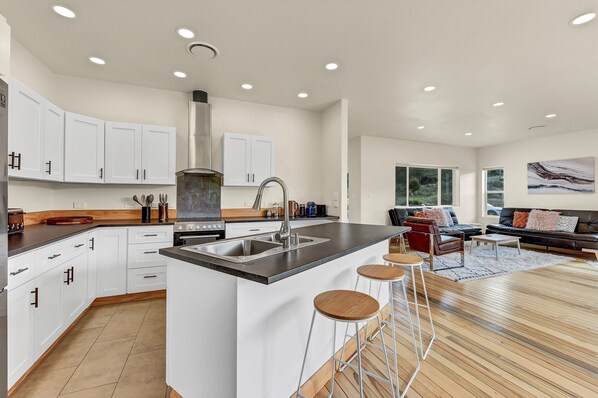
[{"x": 284, "y": 235}]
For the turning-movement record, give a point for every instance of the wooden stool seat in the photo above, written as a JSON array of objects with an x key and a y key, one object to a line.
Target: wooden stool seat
[
  {"x": 381, "y": 272},
  {"x": 346, "y": 305},
  {"x": 404, "y": 259}
]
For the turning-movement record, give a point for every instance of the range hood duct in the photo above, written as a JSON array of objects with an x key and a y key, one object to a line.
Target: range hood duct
[{"x": 200, "y": 137}]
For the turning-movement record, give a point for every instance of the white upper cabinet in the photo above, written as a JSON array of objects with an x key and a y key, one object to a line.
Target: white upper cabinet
[
  {"x": 123, "y": 153},
  {"x": 53, "y": 142},
  {"x": 247, "y": 159},
  {"x": 4, "y": 47},
  {"x": 84, "y": 149},
  {"x": 25, "y": 137},
  {"x": 158, "y": 155}
]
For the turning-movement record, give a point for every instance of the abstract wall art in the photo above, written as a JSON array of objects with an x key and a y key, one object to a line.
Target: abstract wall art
[{"x": 561, "y": 176}]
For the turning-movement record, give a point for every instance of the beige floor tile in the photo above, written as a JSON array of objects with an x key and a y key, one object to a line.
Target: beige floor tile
[
  {"x": 97, "y": 392},
  {"x": 144, "y": 375},
  {"x": 97, "y": 317},
  {"x": 152, "y": 335},
  {"x": 134, "y": 305},
  {"x": 44, "y": 384},
  {"x": 71, "y": 351},
  {"x": 102, "y": 365},
  {"x": 123, "y": 324}
]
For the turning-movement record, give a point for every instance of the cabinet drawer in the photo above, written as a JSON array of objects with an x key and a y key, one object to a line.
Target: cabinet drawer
[
  {"x": 76, "y": 246},
  {"x": 49, "y": 256},
  {"x": 146, "y": 255},
  {"x": 234, "y": 230},
  {"x": 21, "y": 269},
  {"x": 150, "y": 235},
  {"x": 146, "y": 279}
]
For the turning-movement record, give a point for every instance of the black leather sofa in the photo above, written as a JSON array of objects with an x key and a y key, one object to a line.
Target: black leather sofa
[
  {"x": 398, "y": 216},
  {"x": 584, "y": 237}
]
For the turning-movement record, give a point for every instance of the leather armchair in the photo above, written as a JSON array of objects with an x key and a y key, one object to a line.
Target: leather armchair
[{"x": 425, "y": 237}]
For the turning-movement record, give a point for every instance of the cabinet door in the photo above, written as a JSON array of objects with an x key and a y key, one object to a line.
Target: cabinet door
[
  {"x": 158, "y": 156},
  {"x": 123, "y": 153},
  {"x": 84, "y": 149},
  {"x": 4, "y": 47},
  {"x": 21, "y": 353},
  {"x": 74, "y": 291},
  {"x": 263, "y": 159},
  {"x": 53, "y": 142},
  {"x": 111, "y": 266},
  {"x": 236, "y": 159},
  {"x": 48, "y": 314},
  {"x": 92, "y": 260},
  {"x": 25, "y": 137}
]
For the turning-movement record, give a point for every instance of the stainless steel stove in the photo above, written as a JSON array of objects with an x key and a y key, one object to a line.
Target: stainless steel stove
[{"x": 193, "y": 232}]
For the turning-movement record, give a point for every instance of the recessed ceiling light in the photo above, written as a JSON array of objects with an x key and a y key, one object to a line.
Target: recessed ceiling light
[
  {"x": 468, "y": 134},
  {"x": 421, "y": 127},
  {"x": 584, "y": 18},
  {"x": 185, "y": 33},
  {"x": 331, "y": 66},
  {"x": 302, "y": 95},
  {"x": 182, "y": 75},
  {"x": 497, "y": 104},
  {"x": 429, "y": 88},
  {"x": 551, "y": 115},
  {"x": 97, "y": 60},
  {"x": 246, "y": 86},
  {"x": 65, "y": 12}
]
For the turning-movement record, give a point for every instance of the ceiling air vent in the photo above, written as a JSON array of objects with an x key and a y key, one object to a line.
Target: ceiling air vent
[{"x": 203, "y": 50}]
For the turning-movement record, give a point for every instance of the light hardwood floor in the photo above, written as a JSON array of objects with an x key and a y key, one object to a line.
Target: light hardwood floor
[
  {"x": 525, "y": 334},
  {"x": 116, "y": 350}
]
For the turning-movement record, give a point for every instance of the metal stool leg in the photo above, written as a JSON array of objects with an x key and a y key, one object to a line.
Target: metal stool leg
[
  {"x": 392, "y": 390},
  {"x": 433, "y": 334},
  {"x": 342, "y": 367},
  {"x": 333, "y": 360},
  {"x": 394, "y": 334},
  {"x": 359, "y": 368},
  {"x": 313, "y": 318},
  {"x": 419, "y": 327},
  {"x": 413, "y": 341}
]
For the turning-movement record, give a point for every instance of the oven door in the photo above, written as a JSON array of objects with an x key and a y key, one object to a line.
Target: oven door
[{"x": 196, "y": 238}]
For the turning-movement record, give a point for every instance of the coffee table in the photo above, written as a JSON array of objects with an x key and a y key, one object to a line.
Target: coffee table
[{"x": 495, "y": 240}]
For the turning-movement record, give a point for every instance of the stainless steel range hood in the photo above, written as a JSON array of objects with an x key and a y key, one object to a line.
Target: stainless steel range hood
[{"x": 200, "y": 137}]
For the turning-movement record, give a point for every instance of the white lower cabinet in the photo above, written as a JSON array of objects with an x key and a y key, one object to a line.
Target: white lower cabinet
[
  {"x": 48, "y": 309},
  {"x": 146, "y": 267},
  {"x": 21, "y": 353},
  {"x": 146, "y": 279},
  {"x": 74, "y": 288},
  {"x": 111, "y": 266},
  {"x": 92, "y": 260}
]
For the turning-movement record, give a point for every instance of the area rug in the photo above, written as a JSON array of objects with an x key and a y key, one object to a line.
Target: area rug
[{"x": 483, "y": 263}]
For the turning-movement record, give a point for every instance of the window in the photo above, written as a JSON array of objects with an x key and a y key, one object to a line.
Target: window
[
  {"x": 430, "y": 186},
  {"x": 494, "y": 192}
]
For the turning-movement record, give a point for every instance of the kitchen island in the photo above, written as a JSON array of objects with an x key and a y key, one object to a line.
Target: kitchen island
[{"x": 239, "y": 330}]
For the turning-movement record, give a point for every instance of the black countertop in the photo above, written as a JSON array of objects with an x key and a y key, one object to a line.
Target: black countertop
[
  {"x": 259, "y": 219},
  {"x": 40, "y": 235},
  {"x": 344, "y": 239}
]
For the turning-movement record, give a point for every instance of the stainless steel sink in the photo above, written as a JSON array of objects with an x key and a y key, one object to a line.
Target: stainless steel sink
[{"x": 243, "y": 250}]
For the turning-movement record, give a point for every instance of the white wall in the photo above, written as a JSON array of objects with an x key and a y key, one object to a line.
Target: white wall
[
  {"x": 379, "y": 156},
  {"x": 515, "y": 156},
  {"x": 297, "y": 161},
  {"x": 334, "y": 147}
]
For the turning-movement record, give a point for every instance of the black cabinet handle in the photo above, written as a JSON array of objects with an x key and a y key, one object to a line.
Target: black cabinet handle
[
  {"x": 54, "y": 256},
  {"x": 150, "y": 235},
  {"x": 101, "y": 172},
  {"x": 150, "y": 276},
  {"x": 79, "y": 245},
  {"x": 18, "y": 166},
  {"x": 19, "y": 271},
  {"x": 137, "y": 177},
  {"x": 247, "y": 177},
  {"x": 49, "y": 163},
  {"x": 253, "y": 178},
  {"x": 73, "y": 274},
  {"x": 36, "y": 295},
  {"x": 93, "y": 243},
  {"x": 152, "y": 252},
  {"x": 68, "y": 276},
  {"x": 144, "y": 174}
]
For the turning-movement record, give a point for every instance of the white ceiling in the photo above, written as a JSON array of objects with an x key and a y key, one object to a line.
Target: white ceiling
[{"x": 477, "y": 52}]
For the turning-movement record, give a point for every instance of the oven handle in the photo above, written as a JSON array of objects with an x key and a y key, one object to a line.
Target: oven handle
[{"x": 198, "y": 237}]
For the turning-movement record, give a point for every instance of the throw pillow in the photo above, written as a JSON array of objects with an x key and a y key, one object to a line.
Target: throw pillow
[
  {"x": 567, "y": 224},
  {"x": 520, "y": 219},
  {"x": 543, "y": 220},
  {"x": 436, "y": 215},
  {"x": 448, "y": 218},
  {"x": 419, "y": 214}
]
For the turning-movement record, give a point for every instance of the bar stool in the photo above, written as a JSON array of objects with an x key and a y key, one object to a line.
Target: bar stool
[
  {"x": 412, "y": 261},
  {"x": 350, "y": 307},
  {"x": 387, "y": 274}
]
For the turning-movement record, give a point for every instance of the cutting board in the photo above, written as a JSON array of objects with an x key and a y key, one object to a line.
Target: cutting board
[{"x": 69, "y": 220}]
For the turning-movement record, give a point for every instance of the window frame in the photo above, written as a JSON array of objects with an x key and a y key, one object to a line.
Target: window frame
[
  {"x": 456, "y": 188},
  {"x": 486, "y": 192}
]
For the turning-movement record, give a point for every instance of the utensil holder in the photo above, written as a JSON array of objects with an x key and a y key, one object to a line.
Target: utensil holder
[
  {"x": 162, "y": 212},
  {"x": 146, "y": 214}
]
